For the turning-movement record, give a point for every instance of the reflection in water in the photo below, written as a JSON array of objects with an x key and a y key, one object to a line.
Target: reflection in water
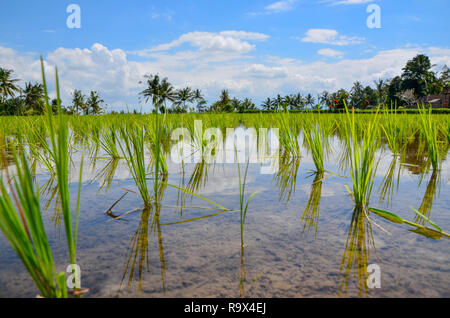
[
  {"x": 430, "y": 194},
  {"x": 199, "y": 177},
  {"x": 139, "y": 244},
  {"x": 286, "y": 178},
  {"x": 390, "y": 183},
  {"x": 357, "y": 252},
  {"x": 310, "y": 217},
  {"x": 414, "y": 156},
  {"x": 50, "y": 190},
  {"x": 139, "y": 249},
  {"x": 106, "y": 175}
]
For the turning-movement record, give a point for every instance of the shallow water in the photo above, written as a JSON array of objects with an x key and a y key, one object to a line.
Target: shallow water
[{"x": 150, "y": 254}]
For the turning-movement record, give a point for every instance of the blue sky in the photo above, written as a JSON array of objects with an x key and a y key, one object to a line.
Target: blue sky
[{"x": 255, "y": 48}]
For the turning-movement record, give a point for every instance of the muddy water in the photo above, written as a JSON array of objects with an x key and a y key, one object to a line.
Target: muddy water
[{"x": 170, "y": 251}]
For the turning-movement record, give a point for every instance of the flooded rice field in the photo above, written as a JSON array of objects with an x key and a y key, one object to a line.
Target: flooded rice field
[{"x": 303, "y": 235}]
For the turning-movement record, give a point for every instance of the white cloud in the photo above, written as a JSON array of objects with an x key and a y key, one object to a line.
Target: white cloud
[
  {"x": 330, "y": 53},
  {"x": 116, "y": 77},
  {"x": 281, "y": 6},
  {"x": 329, "y": 36},
  {"x": 225, "y": 41},
  {"x": 348, "y": 2}
]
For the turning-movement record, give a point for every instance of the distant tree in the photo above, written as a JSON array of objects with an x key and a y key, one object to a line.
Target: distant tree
[
  {"x": 393, "y": 89},
  {"x": 380, "y": 86},
  {"x": 267, "y": 104},
  {"x": 158, "y": 91},
  {"x": 183, "y": 96},
  {"x": 33, "y": 97},
  {"x": 12, "y": 107},
  {"x": 8, "y": 86},
  {"x": 246, "y": 104},
  {"x": 278, "y": 102},
  {"x": 340, "y": 98},
  {"x": 78, "y": 101},
  {"x": 371, "y": 96},
  {"x": 93, "y": 103},
  {"x": 310, "y": 100},
  {"x": 200, "y": 100},
  {"x": 324, "y": 99},
  {"x": 201, "y": 106},
  {"x": 417, "y": 75},
  {"x": 357, "y": 96},
  {"x": 223, "y": 104}
]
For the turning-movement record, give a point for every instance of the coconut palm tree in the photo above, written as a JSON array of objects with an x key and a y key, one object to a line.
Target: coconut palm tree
[
  {"x": 325, "y": 99},
  {"x": 93, "y": 103},
  {"x": 78, "y": 101},
  {"x": 267, "y": 104},
  {"x": 278, "y": 102},
  {"x": 291, "y": 101},
  {"x": 183, "y": 96},
  {"x": 159, "y": 91},
  {"x": 33, "y": 97},
  {"x": 381, "y": 88},
  {"x": 310, "y": 100},
  {"x": 7, "y": 84}
]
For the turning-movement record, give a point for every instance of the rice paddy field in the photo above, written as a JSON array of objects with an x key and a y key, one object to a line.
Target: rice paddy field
[{"x": 115, "y": 195}]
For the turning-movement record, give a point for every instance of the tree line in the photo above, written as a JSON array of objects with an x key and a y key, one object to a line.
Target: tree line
[
  {"x": 414, "y": 85},
  {"x": 29, "y": 100}
]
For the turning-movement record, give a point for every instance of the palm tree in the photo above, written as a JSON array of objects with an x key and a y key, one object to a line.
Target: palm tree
[
  {"x": 159, "y": 91},
  {"x": 291, "y": 101},
  {"x": 78, "y": 101},
  {"x": 299, "y": 101},
  {"x": 7, "y": 85},
  {"x": 166, "y": 93},
  {"x": 325, "y": 99},
  {"x": 278, "y": 102},
  {"x": 380, "y": 85},
  {"x": 93, "y": 103},
  {"x": 183, "y": 96},
  {"x": 33, "y": 97},
  {"x": 309, "y": 100},
  {"x": 267, "y": 104}
]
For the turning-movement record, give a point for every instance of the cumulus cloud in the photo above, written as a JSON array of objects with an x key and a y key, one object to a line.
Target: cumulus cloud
[
  {"x": 330, "y": 53},
  {"x": 116, "y": 77},
  {"x": 348, "y": 2},
  {"x": 281, "y": 6},
  {"x": 329, "y": 36},
  {"x": 225, "y": 41}
]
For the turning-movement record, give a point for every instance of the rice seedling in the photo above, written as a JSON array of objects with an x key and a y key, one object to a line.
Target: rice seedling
[
  {"x": 243, "y": 209},
  {"x": 108, "y": 142},
  {"x": 289, "y": 135},
  {"x": 315, "y": 139},
  {"x": 286, "y": 177},
  {"x": 58, "y": 135},
  {"x": 133, "y": 150},
  {"x": 21, "y": 221},
  {"x": 430, "y": 132},
  {"x": 362, "y": 164},
  {"x": 420, "y": 227}
]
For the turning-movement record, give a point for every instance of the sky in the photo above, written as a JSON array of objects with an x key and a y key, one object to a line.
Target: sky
[{"x": 254, "y": 48}]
